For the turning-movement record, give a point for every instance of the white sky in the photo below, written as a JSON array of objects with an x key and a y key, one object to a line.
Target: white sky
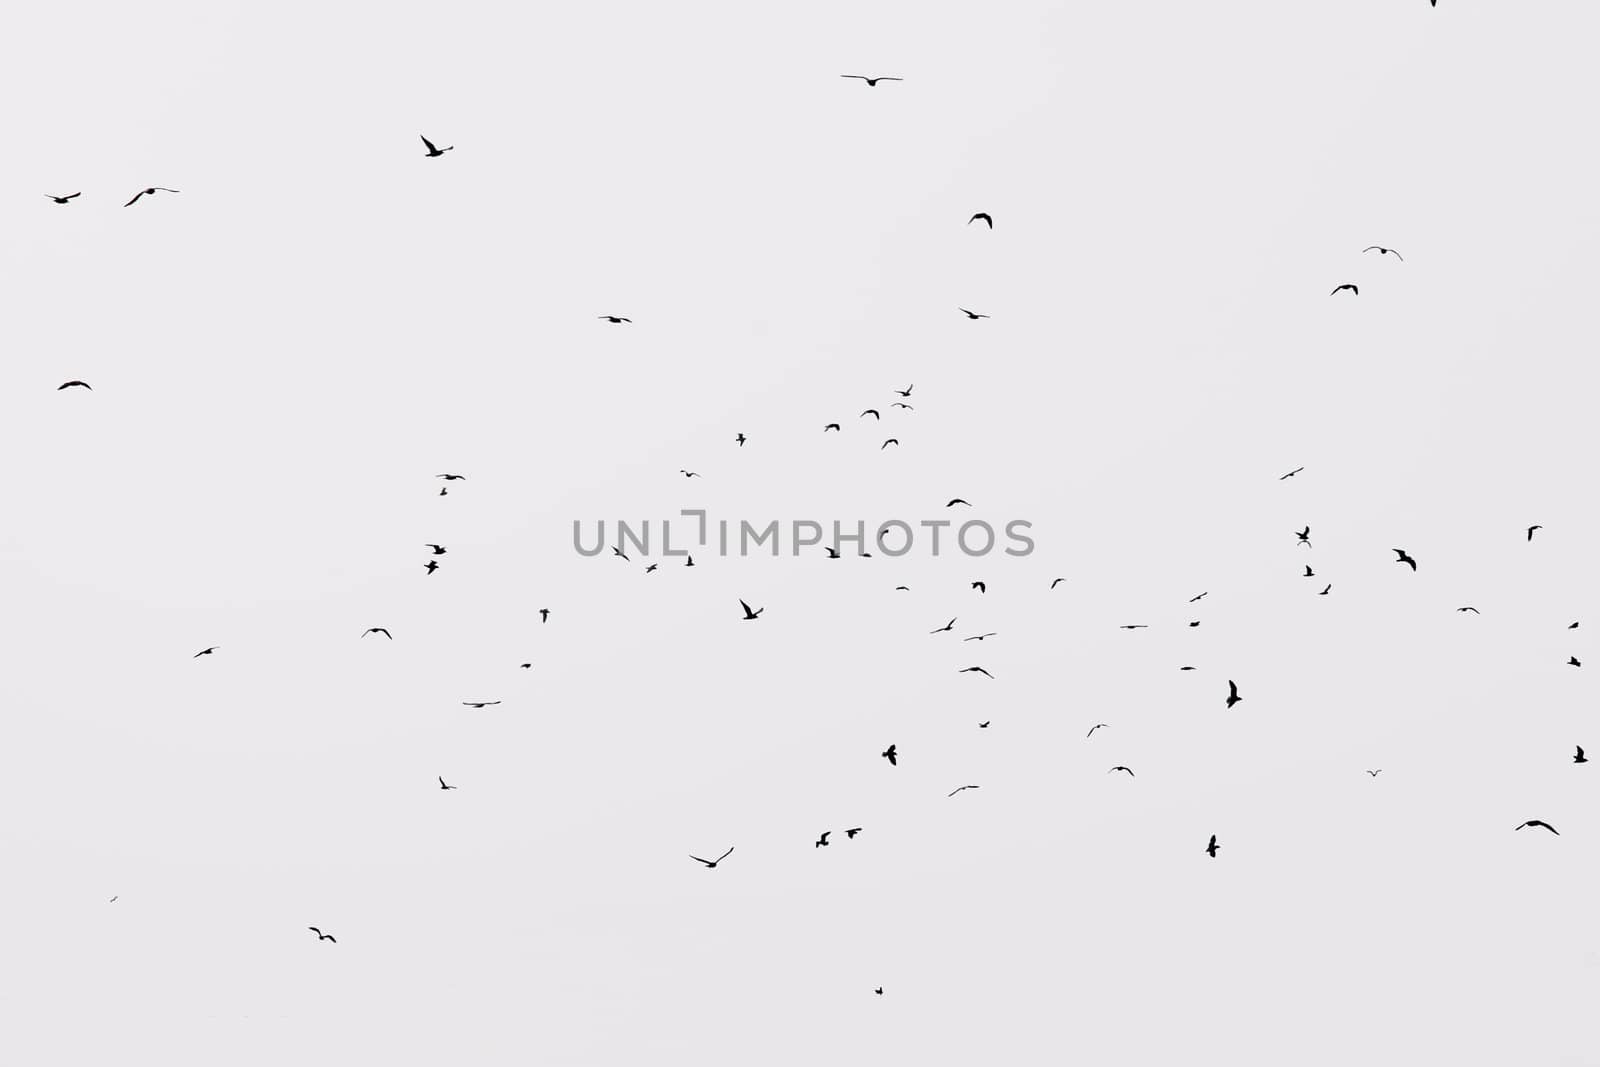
[{"x": 286, "y": 352}]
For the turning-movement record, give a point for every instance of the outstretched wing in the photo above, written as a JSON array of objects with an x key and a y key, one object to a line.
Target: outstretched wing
[{"x": 428, "y": 143}]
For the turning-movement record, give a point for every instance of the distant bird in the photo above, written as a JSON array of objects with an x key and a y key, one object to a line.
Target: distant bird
[
  {"x": 1233, "y": 693},
  {"x": 902, "y": 588},
  {"x": 833, "y": 553},
  {"x": 898, "y": 404},
  {"x": 452, "y": 477},
  {"x": 322, "y": 936},
  {"x": 1475, "y": 611},
  {"x": 1580, "y": 757},
  {"x": 879, "y": 991},
  {"x": 544, "y": 614},
  {"x": 984, "y": 725},
  {"x": 712, "y": 863},
  {"x": 1574, "y": 626},
  {"x": 957, "y": 500},
  {"x": 152, "y": 191},
  {"x": 1202, "y": 596},
  {"x": 652, "y": 567},
  {"x": 971, "y": 314},
  {"x": 1119, "y": 767},
  {"x": 1541, "y": 822},
  {"x": 526, "y": 666},
  {"x": 906, "y": 392},
  {"x": 1211, "y": 849},
  {"x": 1292, "y": 473},
  {"x": 873, "y": 81},
  {"x": 1309, "y": 572},
  {"x": 442, "y": 785},
  {"x": 980, "y": 637},
  {"x": 749, "y": 614},
  {"x": 1325, "y": 589},
  {"x": 982, "y": 587},
  {"x": 958, "y": 789},
  {"x": 870, "y": 411},
  {"x": 431, "y": 566},
  {"x": 1379, "y": 248},
  {"x": 1401, "y": 557},
  {"x": 1531, "y": 529},
  {"x": 891, "y": 755},
  {"x": 1574, "y": 661},
  {"x": 830, "y": 426},
  {"x": 984, "y": 215},
  {"x": 74, "y": 382},
  {"x": 822, "y": 842},
  {"x": 617, "y": 551},
  {"x": 113, "y": 900},
  {"x": 1096, "y": 726},
  {"x": 1056, "y": 582},
  {"x": 1134, "y": 626},
  {"x": 1195, "y": 623},
  {"x": 479, "y": 703},
  {"x": 975, "y": 670},
  {"x": 438, "y": 550},
  {"x": 740, "y": 439},
  {"x": 688, "y": 474},
  {"x": 1376, "y": 772},
  {"x": 433, "y": 152},
  {"x": 1348, "y": 286},
  {"x": 205, "y": 652},
  {"x": 688, "y": 561},
  {"x": 852, "y": 832},
  {"x": 1304, "y": 536},
  {"x": 947, "y": 626},
  {"x": 377, "y": 630},
  {"x": 63, "y": 199},
  {"x": 890, "y": 441},
  {"x": 444, "y": 490},
  {"x": 614, "y": 319},
  {"x": 1186, "y": 668}
]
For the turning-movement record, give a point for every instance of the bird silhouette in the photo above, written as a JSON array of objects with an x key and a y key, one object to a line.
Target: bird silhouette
[
  {"x": 1475, "y": 611},
  {"x": 1309, "y": 572},
  {"x": 1580, "y": 757},
  {"x": 479, "y": 703},
  {"x": 204, "y": 652},
  {"x": 1541, "y": 822},
  {"x": 651, "y": 568},
  {"x": 975, "y": 670},
  {"x": 152, "y": 191},
  {"x": 613, "y": 318},
  {"x": 971, "y": 314},
  {"x": 890, "y": 441},
  {"x": 958, "y": 789},
  {"x": 1119, "y": 767},
  {"x": 822, "y": 842},
  {"x": 1056, "y": 582},
  {"x": 833, "y": 553},
  {"x": 378, "y": 630},
  {"x": 452, "y": 477},
  {"x": 433, "y": 152},
  {"x": 1401, "y": 557},
  {"x": 710, "y": 864},
  {"x": 1348, "y": 286},
  {"x": 1292, "y": 473},
  {"x": 898, "y": 404},
  {"x": 984, "y": 215},
  {"x": 906, "y": 392},
  {"x": 74, "y": 382},
  {"x": 63, "y": 199},
  {"x": 1376, "y": 772},
  {"x": 830, "y": 426},
  {"x": 749, "y": 614},
  {"x": 957, "y": 500},
  {"x": 740, "y": 439},
  {"x": 1531, "y": 529},
  {"x": 870, "y": 411},
  {"x": 442, "y": 785},
  {"x": 892, "y": 755},
  {"x": 1233, "y": 693},
  {"x": 1304, "y": 536},
  {"x": 947, "y": 626},
  {"x": 852, "y": 832},
  {"x": 982, "y": 587},
  {"x": 544, "y": 615},
  {"x": 879, "y": 991},
  {"x": 431, "y": 566},
  {"x": 1211, "y": 849},
  {"x": 688, "y": 474},
  {"x": 1573, "y": 660},
  {"x": 438, "y": 550},
  {"x": 980, "y": 637},
  {"x": 1325, "y": 589},
  {"x": 617, "y": 551},
  {"x": 984, "y": 725},
  {"x": 322, "y": 936},
  {"x": 1573, "y": 626},
  {"x": 1096, "y": 726},
  {"x": 1379, "y": 248},
  {"x": 873, "y": 81},
  {"x": 1196, "y": 599},
  {"x": 1134, "y": 626}
]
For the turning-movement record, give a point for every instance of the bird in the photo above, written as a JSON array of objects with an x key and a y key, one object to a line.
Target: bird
[
  {"x": 712, "y": 863},
  {"x": 1211, "y": 849},
  {"x": 1186, "y": 668},
  {"x": 1325, "y": 589},
  {"x": 526, "y": 666},
  {"x": 688, "y": 474},
  {"x": 614, "y": 318},
  {"x": 1195, "y": 623},
  {"x": 1292, "y": 473},
  {"x": 879, "y": 991},
  {"x": 749, "y": 614},
  {"x": 1096, "y": 726},
  {"x": 958, "y": 789},
  {"x": 544, "y": 615},
  {"x": 1541, "y": 822},
  {"x": 984, "y": 215},
  {"x": 1474, "y": 610},
  {"x": 1202, "y": 596},
  {"x": 1580, "y": 757},
  {"x": 830, "y": 426},
  {"x": 982, "y": 587},
  {"x": 898, "y": 404},
  {"x": 113, "y": 900},
  {"x": 833, "y": 553},
  {"x": 1233, "y": 693},
  {"x": 971, "y": 314},
  {"x": 891, "y": 755},
  {"x": 452, "y": 477},
  {"x": 740, "y": 439},
  {"x": 1531, "y": 529},
  {"x": 617, "y": 551},
  {"x": 1574, "y": 626},
  {"x": 822, "y": 842},
  {"x": 1573, "y": 660},
  {"x": 1134, "y": 626},
  {"x": 852, "y": 832},
  {"x": 378, "y": 630},
  {"x": 322, "y": 936},
  {"x": 438, "y": 550},
  {"x": 873, "y": 81},
  {"x": 1056, "y": 582},
  {"x": 652, "y": 567},
  {"x": 890, "y": 441},
  {"x": 69, "y": 385},
  {"x": 1382, "y": 251},
  {"x": 1309, "y": 572},
  {"x": 444, "y": 490},
  {"x": 1304, "y": 536},
  {"x": 984, "y": 725},
  {"x": 975, "y": 670},
  {"x": 152, "y": 191},
  {"x": 479, "y": 703},
  {"x": 1401, "y": 557},
  {"x": 870, "y": 411},
  {"x": 1119, "y": 767},
  {"x": 204, "y": 652},
  {"x": 957, "y": 500},
  {"x": 944, "y": 628},
  {"x": 979, "y": 637},
  {"x": 906, "y": 392},
  {"x": 63, "y": 199},
  {"x": 1376, "y": 772},
  {"x": 442, "y": 785},
  {"x": 1348, "y": 286},
  {"x": 432, "y": 151},
  {"x": 431, "y": 566}
]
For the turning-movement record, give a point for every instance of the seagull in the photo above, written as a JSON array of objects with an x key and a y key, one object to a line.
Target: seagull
[
  {"x": 971, "y": 314},
  {"x": 526, "y": 666},
  {"x": 1057, "y": 582},
  {"x": 1348, "y": 286},
  {"x": 617, "y": 551},
  {"x": 906, "y": 392},
  {"x": 431, "y": 566},
  {"x": 879, "y": 991},
  {"x": 152, "y": 191},
  {"x": 870, "y": 411},
  {"x": 873, "y": 81},
  {"x": 891, "y": 755},
  {"x": 1292, "y": 473},
  {"x": 1202, "y": 596},
  {"x": 740, "y": 439},
  {"x": 438, "y": 550},
  {"x": 1403, "y": 558},
  {"x": 613, "y": 319},
  {"x": 1541, "y": 822},
  {"x": 852, "y": 833},
  {"x": 981, "y": 587},
  {"x": 957, "y": 500},
  {"x": 1475, "y": 611},
  {"x": 1376, "y": 772},
  {"x": 1233, "y": 693},
  {"x": 432, "y": 151},
  {"x": 1211, "y": 849},
  {"x": 1186, "y": 668},
  {"x": 652, "y": 567},
  {"x": 822, "y": 842},
  {"x": 833, "y": 553},
  {"x": 322, "y": 936},
  {"x": 1119, "y": 767},
  {"x": 712, "y": 863},
  {"x": 748, "y": 614},
  {"x": 452, "y": 477},
  {"x": 205, "y": 652},
  {"x": 958, "y": 789},
  {"x": 69, "y": 385},
  {"x": 688, "y": 474},
  {"x": 1379, "y": 248},
  {"x": 478, "y": 703},
  {"x": 1095, "y": 727},
  {"x": 442, "y": 785},
  {"x": 1580, "y": 757},
  {"x": 984, "y": 725},
  {"x": 1574, "y": 661},
  {"x": 1531, "y": 529},
  {"x": 943, "y": 628},
  {"x": 1304, "y": 536},
  {"x": 62, "y": 199},
  {"x": 897, "y": 404},
  {"x": 1325, "y": 589},
  {"x": 378, "y": 630},
  {"x": 830, "y": 426},
  {"x": 980, "y": 637},
  {"x": 890, "y": 441},
  {"x": 984, "y": 215},
  {"x": 975, "y": 670},
  {"x": 1134, "y": 626},
  {"x": 544, "y": 615}
]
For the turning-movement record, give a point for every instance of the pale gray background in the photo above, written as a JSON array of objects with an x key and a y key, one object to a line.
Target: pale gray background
[{"x": 286, "y": 352}]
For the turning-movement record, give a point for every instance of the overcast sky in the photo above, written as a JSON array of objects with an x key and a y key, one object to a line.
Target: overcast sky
[{"x": 286, "y": 352}]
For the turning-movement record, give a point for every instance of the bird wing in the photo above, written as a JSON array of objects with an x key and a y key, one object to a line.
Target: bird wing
[
  {"x": 863, "y": 77},
  {"x": 725, "y": 854},
  {"x": 746, "y": 608},
  {"x": 135, "y": 199},
  {"x": 428, "y": 143}
]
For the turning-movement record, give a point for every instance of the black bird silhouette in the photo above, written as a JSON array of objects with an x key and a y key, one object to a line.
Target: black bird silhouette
[
  {"x": 984, "y": 725},
  {"x": 947, "y": 626},
  {"x": 432, "y": 151},
  {"x": 1309, "y": 572},
  {"x": 62, "y": 199},
  {"x": 205, "y": 652},
  {"x": 652, "y": 567},
  {"x": 1195, "y": 623},
  {"x": 617, "y": 551},
  {"x": 1292, "y": 473},
  {"x": 1379, "y": 248},
  {"x": 378, "y": 630},
  {"x": 971, "y": 314},
  {"x": 958, "y": 789},
  {"x": 1325, "y": 589},
  {"x": 891, "y": 755},
  {"x": 1475, "y": 611},
  {"x": 748, "y": 614},
  {"x": 431, "y": 566},
  {"x": 955, "y": 501},
  {"x": 830, "y": 426},
  {"x": 1096, "y": 726},
  {"x": 852, "y": 832},
  {"x": 870, "y": 411},
  {"x": 1348, "y": 286},
  {"x": 1574, "y": 626},
  {"x": 712, "y": 863},
  {"x": 526, "y": 666},
  {"x": 890, "y": 441},
  {"x": 544, "y": 615},
  {"x": 438, "y": 550},
  {"x": 322, "y": 936},
  {"x": 1119, "y": 767},
  {"x": 879, "y": 991},
  {"x": 740, "y": 439},
  {"x": 1531, "y": 529},
  {"x": 873, "y": 81},
  {"x": 1401, "y": 557},
  {"x": 152, "y": 191},
  {"x": 613, "y": 318},
  {"x": 1186, "y": 668},
  {"x": 1304, "y": 536},
  {"x": 479, "y": 703},
  {"x": 74, "y": 382},
  {"x": 1056, "y": 582},
  {"x": 1580, "y": 757},
  {"x": 1574, "y": 661},
  {"x": 833, "y": 553},
  {"x": 442, "y": 785},
  {"x": 1376, "y": 772},
  {"x": 1202, "y": 596},
  {"x": 980, "y": 637},
  {"x": 1233, "y": 693},
  {"x": 906, "y": 392},
  {"x": 975, "y": 670},
  {"x": 981, "y": 587},
  {"x": 984, "y": 215},
  {"x": 897, "y": 404},
  {"x": 822, "y": 842},
  {"x": 1134, "y": 626},
  {"x": 1211, "y": 849},
  {"x": 444, "y": 490},
  {"x": 1541, "y": 822},
  {"x": 452, "y": 477}
]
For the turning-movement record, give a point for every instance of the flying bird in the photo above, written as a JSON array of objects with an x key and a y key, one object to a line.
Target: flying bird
[
  {"x": 822, "y": 842},
  {"x": 879, "y": 991},
  {"x": 378, "y": 630},
  {"x": 1348, "y": 286},
  {"x": 1292, "y": 473},
  {"x": 1309, "y": 572},
  {"x": 438, "y": 550},
  {"x": 958, "y": 789},
  {"x": 1531, "y": 529},
  {"x": 906, "y": 392},
  {"x": 1304, "y": 536},
  {"x": 63, "y": 199},
  {"x": 617, "y": 551},
  {"x": 870, "y": 411},
  {"x": 1202, "y": 596},
  {"x": 984, "y": 725},
  {"x": 544, "y": 615},
  {"x": 452, "y": 477},
  {"x": 1325, "y": 589},
  {"x": 891, "y": 755},
  {"x": 1574, "y": 661},
  {"x": 322, "y": 936},
  {"x": 890, "y": 441},
  {"x": 1119, "y": 767},
  {"x": 971, "y": 314},
  {"x": 204, "y": 652},
  {"x": 74, "y": 382},
  {"x": 957, "y": 500},
  {"x": 852, "y": 833},
  {"x": 1580, "y": 757},
  {"x": 1096, "y": 726},
  {"x": 980, "y": 637},
  {"x": 613, "y": 318},
  {"x": 1541, "y": 822},
  {"x": 740, "y": 439},
  {"x": 1211, "y": 849},
  {"x": 1134, "y": 626},
  {"x": 1056, "y": 582},
  {"x": 1233, "y": 693},
  {"x": 1401, "y": 557},
  {"x": 983, "y": 587},
  {"x": 748, "y": 614},
  {"x": 479, "y": 703},
  {"x": 152, "y": 191},
  {"x": 712, "y": 863},
  {"x": 830, "y": 426},
  {"x": 442, "y": 785},
  {"x": 944, "y": 628},
  {"x": 432, "y": 151},
  {"x": 431, "y": 566},
  {"x": 652, "y": 567},
  {"x": 1475, "y": 611},
  {"x": 1379, "y": 248},
  {"x": 984, "y": 215},
  {"x": 1376, "y": 772},
  {"x": 898, "y": 404},
  {"x": 833, "y": 553},
  {"x": 975, "y": 670},
  {"x": 873, "y": 81}
]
